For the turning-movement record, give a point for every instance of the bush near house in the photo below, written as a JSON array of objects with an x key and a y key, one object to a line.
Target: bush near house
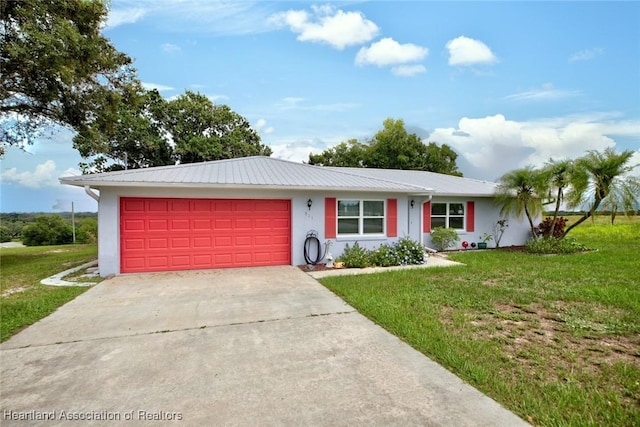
[
  {"x": 444, "y": 238},
  {"x": 404, "y": 252}
]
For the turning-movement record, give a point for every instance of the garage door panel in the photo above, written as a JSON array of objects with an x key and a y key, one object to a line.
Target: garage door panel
[
  {"x": 202, "y": 224},
  {"x": 202, "y": 242},
  {"x": 243, "y": 224},
  {"x": 180, "y": 234},
  {"x": 158, "y": 225},
  {"x": 202, "y": 260},
  {"x": 178, "y": 261},
  {"x": 179, "y": 224},
  {"x": 155, "y": 261},
  {"x": 161, "y": 243},
  {"x": 158, "y": 205}
]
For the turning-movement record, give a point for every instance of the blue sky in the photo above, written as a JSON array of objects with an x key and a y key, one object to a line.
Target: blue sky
[{"x": 506, "y": 84}]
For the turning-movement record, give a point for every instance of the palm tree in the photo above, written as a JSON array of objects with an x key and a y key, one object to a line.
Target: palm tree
[
  {"x": 563, "y": 175},
  {"x": 609, "y": 184},
  {"x": 519, "y": 192}
]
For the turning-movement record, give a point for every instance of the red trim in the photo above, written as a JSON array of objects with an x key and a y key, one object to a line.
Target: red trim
[
  {"x": 471, "y": 216},
  {"x": 330, "y": 220},
  {"x": 392, "y": 217},
  {"x": 426, "y": 217}
]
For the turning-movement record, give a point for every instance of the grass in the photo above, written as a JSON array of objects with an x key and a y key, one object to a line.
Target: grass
[
  {"x": 556, "y": 339},
  {"x": 23, "y": 300}
]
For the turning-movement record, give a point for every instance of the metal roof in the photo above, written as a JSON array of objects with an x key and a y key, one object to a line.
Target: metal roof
[
  {"x": 246, "y": 172},
  {"x": 272, "y": 173},
  {"x": 441, "y": 184}
]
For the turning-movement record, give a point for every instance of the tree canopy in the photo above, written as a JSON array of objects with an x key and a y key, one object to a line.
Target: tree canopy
[
  {"x": 391, "y": 148},
  {"x": 56, "y": 68},
  {"x": 148, "y": 130}
]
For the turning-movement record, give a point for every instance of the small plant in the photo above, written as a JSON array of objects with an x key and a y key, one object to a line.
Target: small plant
[
  {"x": 486, "y": 238},
  {"x": 444, "y": 238},
  {"x": 550, "y": 245},
  {"x": 544, "y": 229},
  {"x": 499, "y": 229},
  {"x": 355, "y": 256}
]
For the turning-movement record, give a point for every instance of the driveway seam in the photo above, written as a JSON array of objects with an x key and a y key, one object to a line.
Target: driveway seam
[{"x": 180, "y": 330}]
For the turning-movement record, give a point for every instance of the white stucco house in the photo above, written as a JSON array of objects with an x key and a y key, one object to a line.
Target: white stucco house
[{"x": 257, "y": 211}]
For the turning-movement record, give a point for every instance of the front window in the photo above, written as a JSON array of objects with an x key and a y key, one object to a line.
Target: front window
[
  {"x": 447, "y": 215},
  {"x": 360, "y": 217}
]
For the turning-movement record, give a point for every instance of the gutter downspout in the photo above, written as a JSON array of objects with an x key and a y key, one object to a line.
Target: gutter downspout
[{"x": 91, "y": 194}]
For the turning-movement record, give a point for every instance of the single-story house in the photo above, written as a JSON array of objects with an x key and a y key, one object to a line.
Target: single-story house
[{"x": 258, "y": 211}]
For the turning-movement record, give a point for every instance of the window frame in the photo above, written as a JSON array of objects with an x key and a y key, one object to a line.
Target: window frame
[
  {"x": 447, "y": 215},
  {"x": 361, "y": 218}
]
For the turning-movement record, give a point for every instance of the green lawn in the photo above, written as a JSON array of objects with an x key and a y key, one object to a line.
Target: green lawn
[
  {"x": 23, "y": 300},
  {"x": 556, "y": 339}
]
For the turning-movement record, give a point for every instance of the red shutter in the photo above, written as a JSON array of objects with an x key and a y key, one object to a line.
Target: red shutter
[
  {"x": 471, "y": 216},
  {"x": 426, "y": 217},
  {"x": 330, "y": 218},
  {"x": 392, "y": 217}
]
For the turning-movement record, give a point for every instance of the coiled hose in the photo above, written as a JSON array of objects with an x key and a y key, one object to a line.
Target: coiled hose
[{"x": 312, "y": 238}]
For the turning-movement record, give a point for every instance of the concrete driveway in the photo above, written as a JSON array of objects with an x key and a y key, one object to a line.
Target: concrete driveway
[{"x": 254, "y": 346}]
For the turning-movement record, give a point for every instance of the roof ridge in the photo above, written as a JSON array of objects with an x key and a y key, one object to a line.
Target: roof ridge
[
  {"x": 484, "y": 181},
  {"x": 390, "y": 181}
]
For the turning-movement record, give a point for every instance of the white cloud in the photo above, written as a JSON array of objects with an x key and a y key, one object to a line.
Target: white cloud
[
  {"x": 546, "y": 93},
  {"x": 408, "y": 70},
  {"x": 261, "y": 127},
  {"x": 325, "y": 24},
  {"x": 216, "y": 98},
  {"x": 585, "y": 55},
  {"x": 171, "y": 48},
  {"x": 389, "y": 52},
  {"x": 229, "y": 17},
  {"x": 493, "y": 145},
  {"x": 119, "y": 17},
  {"x": 44, "y": 175},
  {"x": 158, "y": 87},
  {"x": 292, "y": 103},
  {"x": 466, "y": 51}
]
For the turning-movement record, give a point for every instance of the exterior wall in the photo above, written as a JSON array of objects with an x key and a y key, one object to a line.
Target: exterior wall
[
  {"x": 486, "y": 216},
  {"x": 303, "y": 219},
  {"x": 409, "y": 224}
]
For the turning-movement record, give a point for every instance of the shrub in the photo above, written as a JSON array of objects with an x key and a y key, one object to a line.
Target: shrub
[
  {"x": 355, "y": 256},
  {"x": 404, "y": 252},
  {"x": 549, "y": 245},
  {"x": 385, "y": 256},
  {"x": 544, "y": 228},
  {"x": 88, "y": 231},
  {"x": 444, "y": 238},
  {"x": 47, "y": 230},
  {"x": 4, "y": 235},
  {"x": 409, "y": 251}
]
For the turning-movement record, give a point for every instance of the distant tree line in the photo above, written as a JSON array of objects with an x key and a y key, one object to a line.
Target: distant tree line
[{"x": 38, "y": 229}]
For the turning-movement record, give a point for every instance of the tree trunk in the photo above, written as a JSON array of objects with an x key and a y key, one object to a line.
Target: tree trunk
[
  {"x": 533, "y": 228},
  {"x": 555, "y": 213},
  {"x": 596, "y": 204}
]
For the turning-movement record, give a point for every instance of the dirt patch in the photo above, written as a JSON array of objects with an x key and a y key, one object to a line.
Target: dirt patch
[
  {"x": 13, "y": 291},
  {"x": 543, "y": 341}
]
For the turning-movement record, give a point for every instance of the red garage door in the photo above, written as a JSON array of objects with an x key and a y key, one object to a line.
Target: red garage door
[{"x": 189, "y": 234}]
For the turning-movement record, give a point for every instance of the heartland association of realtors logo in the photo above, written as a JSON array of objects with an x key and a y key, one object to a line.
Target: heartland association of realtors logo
[{"x": 133, "y": 415}]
